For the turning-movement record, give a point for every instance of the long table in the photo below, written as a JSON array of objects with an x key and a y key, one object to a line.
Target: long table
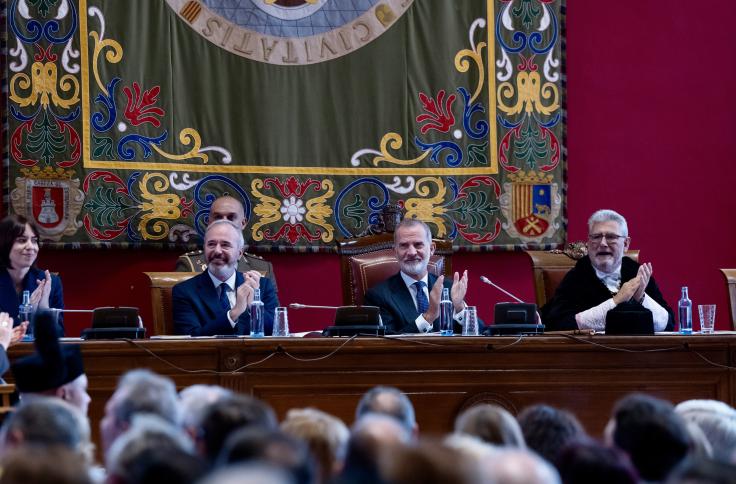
[{"x": 442, "y": 375}]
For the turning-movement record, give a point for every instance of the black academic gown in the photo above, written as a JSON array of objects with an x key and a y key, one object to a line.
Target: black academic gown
[{"x": 581, "y": 290}]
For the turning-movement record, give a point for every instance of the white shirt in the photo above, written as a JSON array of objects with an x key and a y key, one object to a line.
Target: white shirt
[
  {"x": 595, "y": 317},
  {"x": 423, "y": 325},
  {"x": 230, "y": 282}
]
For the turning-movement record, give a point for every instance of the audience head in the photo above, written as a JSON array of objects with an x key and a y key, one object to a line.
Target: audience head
[
  {"x": 547, "y": 430},
  {"x": 699, "y": 470},
  {"x": 48, "y": 422},
  {"x": 717, "y": 420},
  {"x": 153, "y": 451},
  {"x": 650, "y": 431},
  {"x": 373, "y": 435},
  {"x": 413, "y": 247},
  {"x": 430, "y": 462},
  {"x": 253, "y": 473},
  {"x": 388, "y": 401},
  {"x": 608, "y": 239},
  {"x": 272, "y": 447},
  {"x": 492, "y": 424},
  {"x": 586, "y": 461},
  {"x": 139, "y": 391},
  {"x": 195, "y": 400},
  {"x": 53, "y": 370},
  {"x": 18, "y": 243},
  {"x": 325, "y": 435},
  {"x": 228, "y": 415},
  {"x": 223, "y": 247},
  {"x": 518, "y": 466},
  {"x": 230, "y": 209},
  {"x": 44, "y": 465}
]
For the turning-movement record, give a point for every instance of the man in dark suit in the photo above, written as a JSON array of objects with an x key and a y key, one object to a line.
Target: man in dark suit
[
  {"x": 410, "y": 300},
  {"x": 227, "y": 208},
  {"x": 605, "y": 280},
  {"x": 217, "y": 301}
]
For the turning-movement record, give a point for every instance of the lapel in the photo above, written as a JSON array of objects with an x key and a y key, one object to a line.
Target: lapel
[
  {"x": 402, "y": 299},
  {"x": 207, "y": 293}
]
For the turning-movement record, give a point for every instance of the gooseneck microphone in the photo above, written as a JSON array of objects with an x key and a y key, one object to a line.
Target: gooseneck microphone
[
  {"x": 488, "y": 281},
  {"x": 310, "y": 306}
]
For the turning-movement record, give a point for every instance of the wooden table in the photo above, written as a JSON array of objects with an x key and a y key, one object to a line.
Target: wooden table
[{"x": 442, "y": 375}]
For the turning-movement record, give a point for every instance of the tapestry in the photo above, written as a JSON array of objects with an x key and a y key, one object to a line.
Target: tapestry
[{"x": 126, "y": 119}]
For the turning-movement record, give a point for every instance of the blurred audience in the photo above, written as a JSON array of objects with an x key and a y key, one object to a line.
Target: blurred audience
[
  {"x": 547, "y": 430},
  {"x": 326, "y": 436},
  {"x": 139, "y": 391},
  {"x": 44, "y": 465},
  {"x": 389, "y": 401},
  {"x": 586, "y": 461},
  {"x": 492, "y": 424},
  {"x": 717, "y": 420},
  {"x": 648, "y": 429}
]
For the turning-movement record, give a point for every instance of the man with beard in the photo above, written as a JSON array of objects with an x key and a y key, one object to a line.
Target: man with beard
[
  {"x": 227, "y": 208},
  {"x": 410, "y": 300},
  {"x": 217, "y": 301},
  {"x": 604, "y": 280}
]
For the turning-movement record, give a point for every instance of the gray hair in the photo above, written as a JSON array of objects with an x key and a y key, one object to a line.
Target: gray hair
[
  {"x": 143, "y": 391},
  {"x": 196, "y": 400},
  {"x": 146, "y": 434},
  {"x": 388, "y": 401},
  {"x": 215, "y": 223},
  {"x": 408, "y": 223},
  {"x": 716, "y": 419},
  {"x": 607, "y": 215},
  {"x": 49, "y": 421}
]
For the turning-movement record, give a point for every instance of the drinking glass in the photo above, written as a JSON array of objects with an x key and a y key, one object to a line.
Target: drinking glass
[
  {"x": 470, "y": 326},
  {"x": 281, "y": 322},
  {"x": 707, "y": 313}
]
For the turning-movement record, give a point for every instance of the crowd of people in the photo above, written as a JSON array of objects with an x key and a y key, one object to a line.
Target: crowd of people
[{"x": 151, "y": 433}]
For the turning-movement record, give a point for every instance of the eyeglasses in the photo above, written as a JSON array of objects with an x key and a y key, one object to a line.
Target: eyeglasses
[{"x": 610, "y": 238}]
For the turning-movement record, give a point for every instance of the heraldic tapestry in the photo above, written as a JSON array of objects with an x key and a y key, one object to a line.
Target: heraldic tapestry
[{"x": 125, "y": 119}]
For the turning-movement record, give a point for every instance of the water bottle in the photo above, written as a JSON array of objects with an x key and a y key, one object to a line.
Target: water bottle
[
  {"x": 446, "y": 313},
  {"x": 25, "y": 313},
  {"x": 685, "y": 313},
  {"x": 256, "y": 315}
]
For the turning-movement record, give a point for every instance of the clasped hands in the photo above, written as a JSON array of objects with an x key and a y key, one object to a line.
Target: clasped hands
[
  {"x": 457, "y": 295},
  {"x": 40, "y": 295},
  {"x": 8, "y": 334},
  {"x": 244, "y": 294},
  {"x": 634, "y": 288}
]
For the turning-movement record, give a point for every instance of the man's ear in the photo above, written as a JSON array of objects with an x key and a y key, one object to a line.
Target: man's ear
[
  {"x": 627, "y": 243},
  {"x": 432, "y": 246}
]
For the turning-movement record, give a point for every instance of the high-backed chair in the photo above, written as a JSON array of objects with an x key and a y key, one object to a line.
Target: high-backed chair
[
  {"x": 550, "y": 268},
  {"x": 369, "y": 260},
  {"x": 161, "y": 286},
  {"x": 730, "y": 275}
]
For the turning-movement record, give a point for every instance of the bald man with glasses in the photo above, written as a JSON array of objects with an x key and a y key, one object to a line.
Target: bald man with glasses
[{"x": 603, "y": 280}]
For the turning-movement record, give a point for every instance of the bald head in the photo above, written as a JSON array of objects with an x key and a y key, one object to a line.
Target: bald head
[{"x": 230, "y": 209}]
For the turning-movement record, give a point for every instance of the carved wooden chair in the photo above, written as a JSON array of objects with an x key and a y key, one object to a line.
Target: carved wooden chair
[
  {"x": 550, "y": 267},
  {"x": 161, "y": 285},
  {"x": 730, "y": 275},
  {"x": 369, "y": 260}
]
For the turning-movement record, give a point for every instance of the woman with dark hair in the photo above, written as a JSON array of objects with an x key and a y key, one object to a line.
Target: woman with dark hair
[{"x": 18, "y": 271}]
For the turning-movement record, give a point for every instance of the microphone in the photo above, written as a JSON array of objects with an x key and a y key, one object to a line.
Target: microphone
[
  {"x": 488, "y": 281},
  {"x": 310, "y": 306},
  {"x": 513, "y": 318}
]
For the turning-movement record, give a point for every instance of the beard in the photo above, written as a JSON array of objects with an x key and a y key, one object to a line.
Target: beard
[
  {"x": 415, "y": 268},
  {"x": 221, "y": 267}
]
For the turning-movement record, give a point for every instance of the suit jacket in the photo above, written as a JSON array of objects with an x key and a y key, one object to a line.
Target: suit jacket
[
  {"x": 197, "y": 309},
  {"x": 194, "y": 262},
  {"x": 398, "y": 311},
  {"x": 581, "y": 290},
  {"x": 10, "y": 300}
]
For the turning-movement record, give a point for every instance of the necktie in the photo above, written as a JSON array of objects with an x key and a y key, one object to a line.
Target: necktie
[
  {"x": 224, "y": 301},
  {"x": 422, "y": 302}
]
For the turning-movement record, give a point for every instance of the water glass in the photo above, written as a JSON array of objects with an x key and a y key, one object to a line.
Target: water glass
[
  {"x": 470, "y": 325},
  {"x": 281, "y": 322},
  {"x": 707, "y": 314}
]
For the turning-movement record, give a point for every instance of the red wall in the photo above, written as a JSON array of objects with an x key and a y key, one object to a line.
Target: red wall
[{"x": 650, "y": 133}]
